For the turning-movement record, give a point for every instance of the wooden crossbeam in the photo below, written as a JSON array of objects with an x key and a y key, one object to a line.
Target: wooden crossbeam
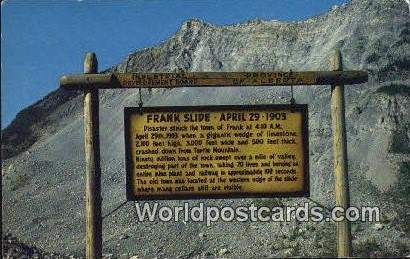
[{"x": 219, "y": 79}]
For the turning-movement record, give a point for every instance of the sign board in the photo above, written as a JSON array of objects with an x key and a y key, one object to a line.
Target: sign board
[{"x": 216, "y": 152}]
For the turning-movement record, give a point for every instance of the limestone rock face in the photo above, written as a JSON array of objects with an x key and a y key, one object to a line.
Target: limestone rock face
[{"x": 43, "y": 179}]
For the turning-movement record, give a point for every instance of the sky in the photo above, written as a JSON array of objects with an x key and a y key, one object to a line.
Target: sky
[{"x": 44, "y": 39}]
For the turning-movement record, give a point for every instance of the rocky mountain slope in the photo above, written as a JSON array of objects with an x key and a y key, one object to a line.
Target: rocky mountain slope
[{"x": 43, "y": 179}]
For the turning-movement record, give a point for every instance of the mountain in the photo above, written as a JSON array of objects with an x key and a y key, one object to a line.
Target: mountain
[{"x": 43, "y": 173}]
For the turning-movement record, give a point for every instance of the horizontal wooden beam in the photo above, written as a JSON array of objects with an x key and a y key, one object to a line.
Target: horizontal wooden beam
[{"x": 219, "y": 79}]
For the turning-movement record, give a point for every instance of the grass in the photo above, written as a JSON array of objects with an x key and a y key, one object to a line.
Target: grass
[
  {"x": 325, "y": 242},
  {"x": 401, "y": 195},
  {"x": 394, "y": 89},
  {"x": 329, "y": 250},
  {"x": 399, "y": 142},
  {"x": 403, "y": 187},
  {"x": 366, "y": 248},
  {"x": 401, "y": 63},
  {"x": 269, "y": 202},
  {"x": 373, "y": 58},
  {"x": 403, "y": 247},
  {"x": 19, "y": 182},
  {"x": 406, "y": 224}
]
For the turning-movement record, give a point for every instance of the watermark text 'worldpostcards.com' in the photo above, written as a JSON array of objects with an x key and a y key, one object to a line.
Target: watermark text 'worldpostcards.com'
[{"x": 203, "y": 213}]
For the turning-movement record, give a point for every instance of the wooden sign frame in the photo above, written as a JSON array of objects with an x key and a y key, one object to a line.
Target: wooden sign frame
[{"x": 91, "y": 81}]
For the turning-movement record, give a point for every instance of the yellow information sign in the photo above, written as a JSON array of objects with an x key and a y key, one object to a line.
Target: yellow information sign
[{"x": 216, "y": 152}]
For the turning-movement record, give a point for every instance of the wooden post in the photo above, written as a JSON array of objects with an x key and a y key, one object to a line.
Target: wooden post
[
  {"x": 93, "y": 220},
  {"x": 344, "y": 242}
]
